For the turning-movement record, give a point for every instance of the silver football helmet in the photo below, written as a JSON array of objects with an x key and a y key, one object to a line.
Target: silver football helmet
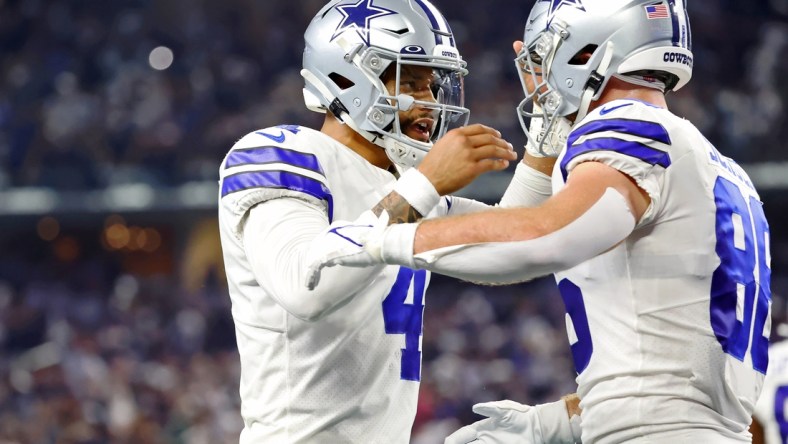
[
  {"x": 351, "y": 43},
  {"x": 573, "y": 47}
]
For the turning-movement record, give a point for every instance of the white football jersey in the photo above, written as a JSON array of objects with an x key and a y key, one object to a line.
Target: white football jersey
[
  {"x": 772, "y": 409},
  {"x": 669, "y": 330},
  {"x": 353, "y": 375}
]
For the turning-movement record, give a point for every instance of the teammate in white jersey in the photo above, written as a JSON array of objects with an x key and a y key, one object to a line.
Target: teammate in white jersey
[
  {"x": 658, "y": 242},
  {"x": 770, "y": 420},
  {"x": 342, "y": 363}
]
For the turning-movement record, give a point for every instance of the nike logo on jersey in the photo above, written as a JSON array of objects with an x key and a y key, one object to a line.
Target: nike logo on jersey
[
  {"x": 611, "y": 109},
  {"x": 348, "y": 236},
  {"x": 278, "y": 139}
]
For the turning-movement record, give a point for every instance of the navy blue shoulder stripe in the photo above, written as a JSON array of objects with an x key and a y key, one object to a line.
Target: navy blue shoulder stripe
[
  {"x": 639, "y": 128},
  {"x": 279, "y": 180},
  {"x": 633, "y": 149},
  {"x": 262, "y": 155}
]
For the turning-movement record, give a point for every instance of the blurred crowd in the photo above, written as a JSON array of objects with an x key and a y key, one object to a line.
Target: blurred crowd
[
  {"x": 82, "y": 106},
  {"x": 95, "y": 351}
]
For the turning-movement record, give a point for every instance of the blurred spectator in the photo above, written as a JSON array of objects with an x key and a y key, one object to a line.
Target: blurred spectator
[{"x": 86, "y": 101}]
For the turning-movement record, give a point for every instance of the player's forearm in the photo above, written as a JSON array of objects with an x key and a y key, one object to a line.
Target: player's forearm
[
  {"x": 506, "y": 259},
  {"x": 473, "y": 228},
  {"x": 542, "y": 164},
  {"x": 592, "y": 185},
  {"x": 531, "y": 184},
  {"x": 413, "y": 197},
  {"x": 278, "y": 237},
  {"x": 399, "y": 209}
]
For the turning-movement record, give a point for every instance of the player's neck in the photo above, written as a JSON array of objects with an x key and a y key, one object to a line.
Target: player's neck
[
  {"x": 617, "y": 89},
  {"x": 356, "y": 142}
]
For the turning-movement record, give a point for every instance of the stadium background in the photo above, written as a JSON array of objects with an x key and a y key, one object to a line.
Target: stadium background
[{"x": 114, "y": 116}]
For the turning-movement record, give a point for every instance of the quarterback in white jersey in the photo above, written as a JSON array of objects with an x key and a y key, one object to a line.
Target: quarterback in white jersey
[
  {"x": 342, "y": 363},
  {"x": 658, "y": 242},
  {"x": 771, "y": 415}
]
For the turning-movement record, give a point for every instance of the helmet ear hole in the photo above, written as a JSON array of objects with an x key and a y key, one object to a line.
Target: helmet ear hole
[
  {"x": 341, "y": 81},
  {"x": 584, "y": 55}
]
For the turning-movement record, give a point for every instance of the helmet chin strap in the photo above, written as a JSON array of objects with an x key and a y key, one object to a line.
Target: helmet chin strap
[{"x": 590, "y": 91}]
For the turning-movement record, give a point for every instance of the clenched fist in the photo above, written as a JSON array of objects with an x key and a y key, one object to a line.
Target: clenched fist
[{"x": 463, "y": 154}]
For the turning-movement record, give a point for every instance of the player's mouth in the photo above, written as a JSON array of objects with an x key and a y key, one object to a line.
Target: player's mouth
[{"x": 420, "y": 129}]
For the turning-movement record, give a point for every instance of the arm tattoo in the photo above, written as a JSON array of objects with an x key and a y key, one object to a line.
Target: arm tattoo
[{"x": 400, "y": 211}]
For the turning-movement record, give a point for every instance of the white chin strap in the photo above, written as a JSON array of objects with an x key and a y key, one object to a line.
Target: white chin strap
[{"x": 589, "y": 93}]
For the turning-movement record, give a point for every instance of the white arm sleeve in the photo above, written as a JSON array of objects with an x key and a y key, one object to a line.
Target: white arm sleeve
[
  {"x": 461, "y": 205},
  {"x": 528, "y": 188},
  {"x": 277, "y": 236},
  {"x": 604, "y": 225}
]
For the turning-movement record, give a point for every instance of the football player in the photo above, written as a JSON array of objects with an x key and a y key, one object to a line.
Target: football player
[
  {"x": 342, "y": 363},
  {"x": 658, "y": 242}
]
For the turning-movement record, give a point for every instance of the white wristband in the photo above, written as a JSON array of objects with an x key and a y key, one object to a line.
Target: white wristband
[
  {"x": 528, "y": 188},
  {"x": 397, "y": 244},
  {"x": 554, "y": 422},
  {"x": 418, "y": 191}
]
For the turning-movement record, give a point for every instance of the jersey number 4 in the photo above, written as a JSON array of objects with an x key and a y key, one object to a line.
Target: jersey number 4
[
  {"x": 740, "y": 289},
  {"x": 403, "y": 314}
]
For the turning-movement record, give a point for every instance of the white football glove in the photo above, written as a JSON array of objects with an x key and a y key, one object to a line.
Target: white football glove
[
  {"x": 355, "y": 244},
  {"x": 507, "y": 422},
  {"x": 555, "y": 140},
  {"x": 510, "y": 422}
]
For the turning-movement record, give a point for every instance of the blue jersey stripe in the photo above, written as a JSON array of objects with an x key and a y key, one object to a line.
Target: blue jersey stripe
[
  {"x": 633, "y": 149},
  {"x": 640, "y": 128},
  {"x": 279, "y": 180},
  {"x": 271, "y": 154}
]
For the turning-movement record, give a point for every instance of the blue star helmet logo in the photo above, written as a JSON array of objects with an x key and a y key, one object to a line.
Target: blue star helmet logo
[
  {"x": 556, "y": 4},
  {"x": 357, "y": 17}
]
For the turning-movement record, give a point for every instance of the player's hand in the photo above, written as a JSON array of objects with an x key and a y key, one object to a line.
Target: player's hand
[
  {"x": 354, "y": 244},
  {"x": 463, "y": 154},
  {"x": 507, "y": 422}
]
